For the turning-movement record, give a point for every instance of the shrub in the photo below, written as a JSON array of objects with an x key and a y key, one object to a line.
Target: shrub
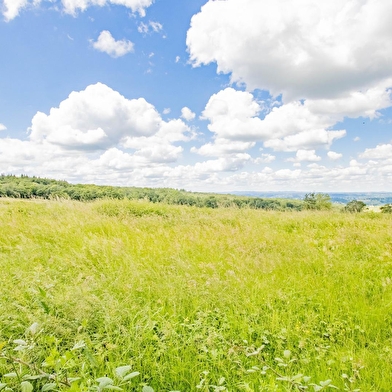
[{"x": 354, "y": 206}]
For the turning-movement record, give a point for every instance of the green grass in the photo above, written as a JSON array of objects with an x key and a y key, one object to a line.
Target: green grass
[{"x": 195, "y": 299}]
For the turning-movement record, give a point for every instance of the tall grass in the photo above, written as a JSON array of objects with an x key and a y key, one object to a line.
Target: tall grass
[{"x": 198, "y": 299}]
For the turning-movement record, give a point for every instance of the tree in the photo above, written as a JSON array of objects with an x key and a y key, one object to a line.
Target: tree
[
  {"x": 387, "y": 209},
  {"x": 317, "y": 201},
  {"x": 354, "y": 206}
]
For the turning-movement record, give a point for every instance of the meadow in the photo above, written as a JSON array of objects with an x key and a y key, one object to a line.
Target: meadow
[{"x": 135, "y": 296}]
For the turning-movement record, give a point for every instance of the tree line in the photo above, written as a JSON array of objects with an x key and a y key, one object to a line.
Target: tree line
[{"x": 26, "y": 187}]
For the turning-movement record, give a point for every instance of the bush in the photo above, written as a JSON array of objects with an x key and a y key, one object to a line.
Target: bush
[
  {"x": 387, "y": 209},
  {"x": 354, "y": 206}
]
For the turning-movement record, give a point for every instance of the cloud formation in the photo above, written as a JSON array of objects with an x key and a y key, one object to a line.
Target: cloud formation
[
  {"x": 107, "y": 44},
  {"x": 2, "y": 127},
  {"x": 300, "y": 49},
  {"x": 12, "y": 8},
  {"x": 150, "y": 27},
  {"x": 187, "y": 114},
  {"x": 73, "y": 6}
]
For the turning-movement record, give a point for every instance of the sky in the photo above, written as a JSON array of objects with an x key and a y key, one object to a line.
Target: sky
[{"x": 217, "y": 96}]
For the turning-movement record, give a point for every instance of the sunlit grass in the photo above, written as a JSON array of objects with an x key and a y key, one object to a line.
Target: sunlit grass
[{"x": 184, "y": 295}]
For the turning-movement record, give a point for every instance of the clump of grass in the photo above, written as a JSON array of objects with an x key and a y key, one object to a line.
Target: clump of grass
[{"x": 193, "y": 299}]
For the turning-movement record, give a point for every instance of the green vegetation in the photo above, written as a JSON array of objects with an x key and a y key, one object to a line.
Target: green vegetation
[
  {"x": 354, "y": 206},
  {"x": 152, "y": 297},
  {"x": 317, "y": 201},
  {"x": 33, "y": 187},
  {"x": 386, "y": 209}
]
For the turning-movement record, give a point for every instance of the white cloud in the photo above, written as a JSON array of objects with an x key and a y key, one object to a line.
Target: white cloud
[
  {"x": 107, "y": 44},
  {"x": 305, "y": 155},
  {"x": 318, "y": 138},
  {"x": 347, "y": 50},
  {"x": 166, "y": 110},
  {"x": 382, "y": 151},
  {"x": 177, "y": 59},
  {"x": 100, "y": 119},
  {"x": 187, "y": 114},
  {"x": 95, "y": 118},
  {"x": 357, "y": 139},
  {"x": 2, "y": 127},
  {"x": 265, "y": 158},
  {"x": 73, "y": 6},
  {"x": 12, "y": 8},
  {"x": 233, "y": 115},
  {"x": 223, "y": 147},
  {"x": 334, "y": 156},
  {"x": 150, "y": 27}
]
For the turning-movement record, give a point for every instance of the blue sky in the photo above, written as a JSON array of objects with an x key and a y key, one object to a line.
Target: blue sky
[{"x": 217, "y": 95}]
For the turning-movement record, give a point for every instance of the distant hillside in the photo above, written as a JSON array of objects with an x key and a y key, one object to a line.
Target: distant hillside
[
  {"x": 34, "y": 187},
  {"x": 370, "y": 198}
]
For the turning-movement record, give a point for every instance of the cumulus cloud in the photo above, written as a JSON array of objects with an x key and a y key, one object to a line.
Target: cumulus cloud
[
  {"x": 339, "y": 70},
  {"x": 334, "y": 156},
  {"x": 305, "y": 155},
  {"x": 2, "y": 127},
  {"x": 268, "y": 44},
  {"x": 317, "y": 138},
  {"x": 235, "y": 116},
  {"x": 265, "y": 158},
  {"x": 222, "y": 147},
  {"x": 187, "y": 114},
  {"x": 100, "y": 120},
  {"x": 95, "y": 118},
  {"x": 107, "y": 44},
  {"x": 13, "y": 7},
  {"x": 382, "y": 151}
]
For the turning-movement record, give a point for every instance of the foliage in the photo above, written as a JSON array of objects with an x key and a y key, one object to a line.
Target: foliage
[
  {"x": 354, "y": 206},
  {"x": 25, "y": 187},
  {"x": 192, "y": 299},
  {"x": 386, "y": 209},
  {"x": 317, "y": 201}
]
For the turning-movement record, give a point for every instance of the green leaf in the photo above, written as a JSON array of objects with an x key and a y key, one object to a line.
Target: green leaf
[
  {"x": 130, "y": 376},
  {"x": 25, "y": 386},
  {"x": 104, "y": 381},
  {"x": 20, "y": 342},
  {"x": 78, "y": 345},
  {"x": 10, "y": 375},
  {"x": 121, "y": 371},
  {"x": 73, "y": 379},
  {"x": 2, "y": 385},
  {"x": 112, "y": 387},
  {"x": 36, "y": 377},
  {"x": 147, "y": 389},
  {"x": 49, "y": 387},
  {"x": 287, "y": 353}
]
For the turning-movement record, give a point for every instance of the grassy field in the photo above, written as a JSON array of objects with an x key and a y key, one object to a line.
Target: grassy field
[{"x": 168, "y": 298}]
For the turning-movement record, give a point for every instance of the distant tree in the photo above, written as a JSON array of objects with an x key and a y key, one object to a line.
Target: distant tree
[
  {"x": 354, "y": 206},
  {"x": 317, "y": 201},
  {"x": 387, "y": 209}
]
